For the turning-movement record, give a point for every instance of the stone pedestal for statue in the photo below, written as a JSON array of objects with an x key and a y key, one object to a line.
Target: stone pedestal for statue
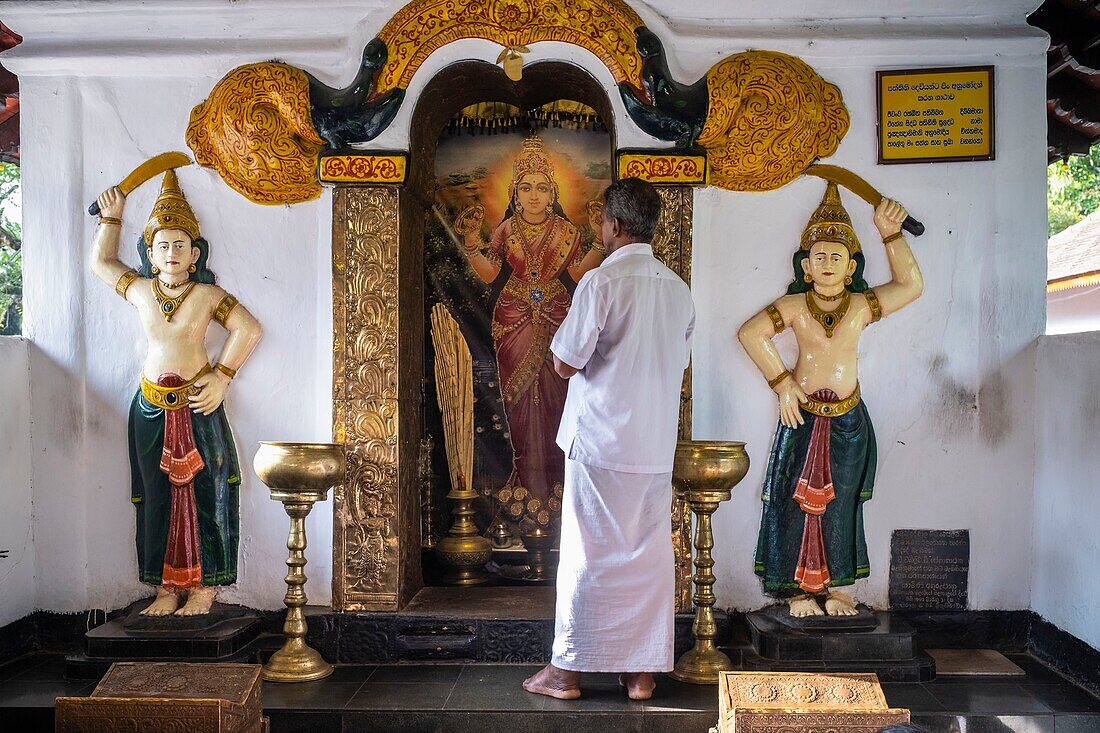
[
  {"x": 226, "y": 634},
  {"x": 871, "y": 641}
]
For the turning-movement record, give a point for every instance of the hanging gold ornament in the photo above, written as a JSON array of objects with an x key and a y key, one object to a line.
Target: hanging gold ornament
[{"x": 512, "y": 61}]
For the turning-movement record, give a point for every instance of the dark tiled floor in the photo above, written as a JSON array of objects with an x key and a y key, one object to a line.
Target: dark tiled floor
[{"x": 457, "y": 698}]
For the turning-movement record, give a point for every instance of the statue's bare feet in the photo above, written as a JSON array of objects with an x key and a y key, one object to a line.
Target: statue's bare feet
[
  {"x": 166, "y": 603},
  {"x": 199, "y": 601},
  {"x": 840, "y": 604},
  {"x": 554, "y": 682},
  {"x": 639, "y": 685},
  {"x": 803, "y": 606}
]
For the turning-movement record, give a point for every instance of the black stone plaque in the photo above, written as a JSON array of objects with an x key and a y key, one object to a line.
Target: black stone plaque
[{"x": 929, "y": 569}]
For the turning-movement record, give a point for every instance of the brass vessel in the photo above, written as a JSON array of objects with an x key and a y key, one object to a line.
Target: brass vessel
[
  {"x": 539, "y": 542},
  {"x": 298, "y": 475},
  {"x": 464, "y": 551},
  {"x": 703, "y": 474}
]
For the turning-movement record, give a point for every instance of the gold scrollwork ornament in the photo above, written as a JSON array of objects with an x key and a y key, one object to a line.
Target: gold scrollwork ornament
[
  {"x": 770, "y": 116},
  {"x": 256, "y": 131},
  {"x": 604, "y": 27}
]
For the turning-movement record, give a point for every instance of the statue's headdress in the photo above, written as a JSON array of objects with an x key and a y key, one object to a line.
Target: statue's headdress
[
  {"x": 532, "y": 158},
  {"x": 830, "y": 222},
  {"x": 171, "y": 211}
]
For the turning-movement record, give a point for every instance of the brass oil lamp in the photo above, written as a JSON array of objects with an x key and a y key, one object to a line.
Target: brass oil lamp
[
  {"x": 703, "y": 475},
  {"x": 298, "y": 475}
]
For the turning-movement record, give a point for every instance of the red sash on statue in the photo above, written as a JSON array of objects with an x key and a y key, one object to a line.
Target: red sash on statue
[
  {"x": 181, "y": 461},
  {"x": 813, "y": 494}
]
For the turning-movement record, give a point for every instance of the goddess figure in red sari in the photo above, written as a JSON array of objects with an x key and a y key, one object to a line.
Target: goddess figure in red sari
[{"x": 541, "y": 251}]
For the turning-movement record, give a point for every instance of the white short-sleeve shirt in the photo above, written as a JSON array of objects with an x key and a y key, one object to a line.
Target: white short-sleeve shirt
[{"x": 629, "y": 333}]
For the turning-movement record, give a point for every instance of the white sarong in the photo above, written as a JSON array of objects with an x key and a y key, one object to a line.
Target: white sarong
[{"x": 616, "y": 572}]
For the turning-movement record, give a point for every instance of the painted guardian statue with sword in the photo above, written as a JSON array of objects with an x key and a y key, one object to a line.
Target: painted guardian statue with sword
[
  {"x": 822, "y": 464},
  {"x": 184, "y": 471}
]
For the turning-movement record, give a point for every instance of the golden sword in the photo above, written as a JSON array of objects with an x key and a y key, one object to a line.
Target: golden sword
[
  {"x": 861, "y": 188},
  {"x": 153, "y": 167}
]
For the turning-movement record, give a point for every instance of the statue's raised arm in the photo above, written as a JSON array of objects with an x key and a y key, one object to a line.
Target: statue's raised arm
[
  {"x": 907, "y": 283},
  {"x": 105, "y": 262}
]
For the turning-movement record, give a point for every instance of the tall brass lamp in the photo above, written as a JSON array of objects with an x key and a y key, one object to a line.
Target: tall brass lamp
[
  {"x": 703, "y": 475},
  {"x": 298, "y": 475}
]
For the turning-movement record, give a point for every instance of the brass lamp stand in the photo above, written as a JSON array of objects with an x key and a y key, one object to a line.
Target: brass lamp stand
[
  {"x": 703, "y": 474},
  {"x": 298, "y": 475}
]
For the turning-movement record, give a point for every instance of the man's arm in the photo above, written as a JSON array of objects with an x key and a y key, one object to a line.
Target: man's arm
[
  {"x": 564, "y": 370},
  {"x": 576, "y": 338},
  {"x": 688, "y": 336}
]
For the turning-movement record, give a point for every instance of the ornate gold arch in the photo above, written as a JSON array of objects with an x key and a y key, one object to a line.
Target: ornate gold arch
[
  {"x": 604, "y": 27},
  {"x": 767, "y": 116}
]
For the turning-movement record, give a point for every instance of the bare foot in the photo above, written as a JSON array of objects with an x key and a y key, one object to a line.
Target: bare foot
[
  {"x": 199, "y": 601},
  {"x": 166, "y": 603},
  {"x": 840, "y": 604},
  {"x": 639, "y": 685},
  {"x": 803, "y": 606},
  {"x": 553, "y": 682}
]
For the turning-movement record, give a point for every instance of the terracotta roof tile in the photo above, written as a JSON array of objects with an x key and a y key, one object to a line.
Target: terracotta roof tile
[{"x": 1075, "y": 250}]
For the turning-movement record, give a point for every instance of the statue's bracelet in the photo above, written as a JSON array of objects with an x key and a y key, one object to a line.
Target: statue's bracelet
[
  {"x": 225, "y": 370},
  {"x": 110, "y": 220},
  {"x": 774, "y": 381},
  {"x": 893, "y": 237}
]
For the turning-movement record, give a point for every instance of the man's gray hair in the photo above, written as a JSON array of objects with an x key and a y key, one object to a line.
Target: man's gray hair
[{"x": 637, "y": 206}]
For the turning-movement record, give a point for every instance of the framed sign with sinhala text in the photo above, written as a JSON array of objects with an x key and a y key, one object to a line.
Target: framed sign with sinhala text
[{"x": 935, "y": 115}]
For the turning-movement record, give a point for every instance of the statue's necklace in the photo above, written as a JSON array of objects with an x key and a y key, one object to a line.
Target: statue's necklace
[
  {"x": 829, "y": 320},
  {"x": 827, "y": 298},
  {"x": 169, "y": 305}
]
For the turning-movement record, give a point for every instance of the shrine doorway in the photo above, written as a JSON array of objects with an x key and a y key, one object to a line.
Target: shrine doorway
[
  {"x": 394, "y": 256},
  {"x": 507, "y": 284}
]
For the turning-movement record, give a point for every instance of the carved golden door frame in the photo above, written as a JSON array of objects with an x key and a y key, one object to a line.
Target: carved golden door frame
[
  {"x": 376, "y": 407},
  {"x": 672, "y": 246},
  {"x": 371, "y": 537}
]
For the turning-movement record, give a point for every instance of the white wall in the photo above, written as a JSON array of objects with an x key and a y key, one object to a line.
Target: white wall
[
  {"x": 106, "y": 84},
  {"x": 17, "y": 569},
  {"x": 1064, "y": 586}
]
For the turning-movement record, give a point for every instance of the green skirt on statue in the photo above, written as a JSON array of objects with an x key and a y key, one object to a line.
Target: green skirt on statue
[
  {"x": 216, "y": 493},
  {"x": 853, "y": 455}
]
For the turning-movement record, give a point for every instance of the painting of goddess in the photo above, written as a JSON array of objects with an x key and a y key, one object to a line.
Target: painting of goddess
[{"x": 539, "y": 250}]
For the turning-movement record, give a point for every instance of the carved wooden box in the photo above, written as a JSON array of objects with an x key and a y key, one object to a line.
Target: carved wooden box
[
  {"x": 135, "y": 697},
  {"x": 798, "y": 702}
]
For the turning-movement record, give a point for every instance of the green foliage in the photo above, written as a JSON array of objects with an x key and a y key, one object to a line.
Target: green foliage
[
  {"x": 1073, "y": 190},
  {"x": 11, "y": 292},
  {"x": 1059, "y": 217},
  {"x": 11, "y": 257}
]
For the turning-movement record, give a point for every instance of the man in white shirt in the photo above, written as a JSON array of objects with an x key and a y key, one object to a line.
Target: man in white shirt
[{"x": 624, "y": 347}]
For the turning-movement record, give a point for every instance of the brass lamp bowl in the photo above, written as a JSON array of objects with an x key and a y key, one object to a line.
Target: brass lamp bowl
[
  {"x": 707, "y": 470},
  {"x": 299, "y": 471}
]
